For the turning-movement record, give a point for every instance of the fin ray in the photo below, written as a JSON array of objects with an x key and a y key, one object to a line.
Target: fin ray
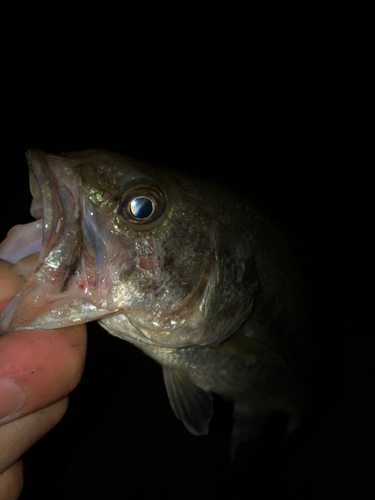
[{"x": 189, "y": 403}]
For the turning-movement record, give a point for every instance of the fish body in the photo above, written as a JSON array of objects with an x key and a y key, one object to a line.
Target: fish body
[{"x": 192, "y": 273}]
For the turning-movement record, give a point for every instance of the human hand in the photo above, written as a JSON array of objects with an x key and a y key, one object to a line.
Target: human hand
[{"x": 38, "y": 369}]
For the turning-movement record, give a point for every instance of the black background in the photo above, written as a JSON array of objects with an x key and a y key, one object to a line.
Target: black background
[{"x": 264, "y": 117}]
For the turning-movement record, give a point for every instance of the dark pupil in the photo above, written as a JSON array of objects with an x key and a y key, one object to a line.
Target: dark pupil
[{"x": 141, "y": 208}]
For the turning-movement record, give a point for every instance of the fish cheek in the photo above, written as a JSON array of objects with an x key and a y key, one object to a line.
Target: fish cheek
[
  {"x": 148, "y": 258},
  {"x": 171, "y": 267}
]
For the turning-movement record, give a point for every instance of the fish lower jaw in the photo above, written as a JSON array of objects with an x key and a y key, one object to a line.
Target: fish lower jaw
[{"x": 42, "y": 305}]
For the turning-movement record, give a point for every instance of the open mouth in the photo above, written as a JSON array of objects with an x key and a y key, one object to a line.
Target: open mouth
[
  {"x": 54, "y": 208},
  {"x": 50, "y": 251},
  {"x": 26, "y": 245}
]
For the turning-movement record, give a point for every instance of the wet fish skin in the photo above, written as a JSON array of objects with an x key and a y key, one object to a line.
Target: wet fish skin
[{"x": 210, "y": 287}]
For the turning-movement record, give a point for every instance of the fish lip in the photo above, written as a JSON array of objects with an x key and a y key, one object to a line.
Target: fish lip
[
  {"x": 59, "y": 214},
  {"x": 63, "y": 286},
  {"x": 46, "y": 202},
  {"x": 55, "y": 189}
]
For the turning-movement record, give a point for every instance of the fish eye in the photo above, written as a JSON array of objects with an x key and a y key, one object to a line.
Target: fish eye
[
  {"x": 142, "y": 204},
  {"x": 141, "y": 207}
]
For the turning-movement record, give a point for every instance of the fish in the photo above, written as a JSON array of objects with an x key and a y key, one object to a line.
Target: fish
[{"x": 192, "y": 273}]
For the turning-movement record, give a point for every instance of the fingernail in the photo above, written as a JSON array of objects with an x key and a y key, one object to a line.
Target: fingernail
[{"x": 11, "y": 397}]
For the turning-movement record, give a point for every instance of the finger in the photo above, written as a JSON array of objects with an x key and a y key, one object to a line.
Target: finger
[
  {"x": 9, "y": 284},
  {"x": 11, "y": 482},
  {"x": 18, "y": 436},
  {"x": 37, "y": 367}
]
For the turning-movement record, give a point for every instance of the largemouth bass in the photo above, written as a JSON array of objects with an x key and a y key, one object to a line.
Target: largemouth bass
[{"x": 192, "y": 273}]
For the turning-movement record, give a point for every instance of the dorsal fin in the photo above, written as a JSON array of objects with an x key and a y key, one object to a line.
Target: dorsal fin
[{"x": 190, "y": 404}]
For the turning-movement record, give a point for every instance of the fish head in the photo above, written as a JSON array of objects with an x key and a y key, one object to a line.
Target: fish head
[{"x": 151, "y": 254}]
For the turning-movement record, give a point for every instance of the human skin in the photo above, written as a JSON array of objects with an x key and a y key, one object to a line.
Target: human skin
[{"x": 38, "y": 370}]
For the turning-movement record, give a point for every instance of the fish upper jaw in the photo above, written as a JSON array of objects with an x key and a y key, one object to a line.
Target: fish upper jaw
[{"x": 62, "y": 258}]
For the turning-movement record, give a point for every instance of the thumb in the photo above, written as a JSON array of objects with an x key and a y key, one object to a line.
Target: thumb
[{"x": 38, "y": 369}]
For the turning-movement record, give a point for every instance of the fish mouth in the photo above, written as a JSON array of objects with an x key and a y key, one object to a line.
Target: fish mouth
[{"x": 60, "y": 261}]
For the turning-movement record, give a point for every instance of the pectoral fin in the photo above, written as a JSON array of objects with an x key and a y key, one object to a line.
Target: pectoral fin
[{"x": 190, "y": 404}]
